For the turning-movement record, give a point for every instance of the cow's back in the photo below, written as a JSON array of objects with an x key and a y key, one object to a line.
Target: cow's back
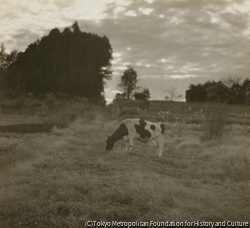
[{"x": 142, "y": 129}]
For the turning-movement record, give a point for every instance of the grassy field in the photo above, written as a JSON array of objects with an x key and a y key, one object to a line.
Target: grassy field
[{"x": 65, "y": 177}]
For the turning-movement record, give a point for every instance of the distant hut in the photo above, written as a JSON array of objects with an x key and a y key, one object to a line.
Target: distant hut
[{"x": 218, "y": 92}]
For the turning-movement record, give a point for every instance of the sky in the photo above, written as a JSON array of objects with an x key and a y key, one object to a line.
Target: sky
[{"x": 169, "y": 43}]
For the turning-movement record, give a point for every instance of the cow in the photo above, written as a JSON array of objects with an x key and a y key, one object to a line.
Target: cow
[{"x": 138, "y": 129}]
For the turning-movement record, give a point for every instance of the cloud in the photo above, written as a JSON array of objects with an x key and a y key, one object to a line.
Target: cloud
[
  {"x": 40, "y": 16},
  {"x": 63, "y": 4},
  {"x": 168, "y": 42},
  {"x": 200, "y": 40},
  {"x": 183, "y": 76}
]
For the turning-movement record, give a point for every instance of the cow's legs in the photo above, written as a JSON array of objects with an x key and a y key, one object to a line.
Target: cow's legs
[
  {"x": 126, "y": 147},
  {"x": 160, "y": 143},
  {"x": 126, "y": 143},
  {"x": 160, "y": 148},
  {"x": 129, "y": 144}
]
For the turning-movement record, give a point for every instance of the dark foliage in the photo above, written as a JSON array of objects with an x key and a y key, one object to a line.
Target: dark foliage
[
  {"x": 5, "y": 61},
  {"x": 197, "y": 93},
  {"x": 246, "y": 88},
  {"x": 128, "y": 82},
  {"x": 241, "y": 92},
  {"x": 142, "y": 95},
  {"x": 70, "y": 62},
  {"x": 239, "y": 97}
]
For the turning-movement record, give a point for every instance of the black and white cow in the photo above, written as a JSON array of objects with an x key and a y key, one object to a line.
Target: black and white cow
[{"x": 138, "y": 129}]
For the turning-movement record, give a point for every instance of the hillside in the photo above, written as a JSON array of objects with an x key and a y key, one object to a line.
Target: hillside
[{"x": 63, "y": 177}]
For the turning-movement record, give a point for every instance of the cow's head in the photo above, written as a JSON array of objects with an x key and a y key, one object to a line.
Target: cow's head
[{"x": 109, "y": 144}]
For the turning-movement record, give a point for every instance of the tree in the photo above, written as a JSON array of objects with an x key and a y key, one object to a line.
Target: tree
[
  {"x": 239, "y": 97},
  {"x": 3, "y": 65},
  {"x": 142, "y": 95},
  {"x": 173, "y": 95},
  {"x": 70, "y": 62},
  {"x": 5, "y": 61},
  {"x": 241, "y": 92},
  {"x": 3, "y": 57},
  {"x": 128, "y": 82},
  {"x": 246, "y": 87}
]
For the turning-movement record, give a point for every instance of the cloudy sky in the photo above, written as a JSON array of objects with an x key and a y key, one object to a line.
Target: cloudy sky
[{"x": 170, "y": 43}]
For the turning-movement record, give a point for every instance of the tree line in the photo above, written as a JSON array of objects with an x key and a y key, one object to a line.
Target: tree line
[
  {"x": 76, "y": 63},
  {"x": 241, "y": 91},
  {"x": 70, "y": 62}
]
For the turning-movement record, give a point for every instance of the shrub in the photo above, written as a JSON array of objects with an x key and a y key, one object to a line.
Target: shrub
[{"x": 214, "y": 121}]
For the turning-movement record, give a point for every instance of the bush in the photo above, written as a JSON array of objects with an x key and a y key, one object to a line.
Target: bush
[{"x": 214, "y": 121}]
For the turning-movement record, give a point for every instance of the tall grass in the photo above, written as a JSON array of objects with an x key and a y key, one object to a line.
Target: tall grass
[
  {"x": 64, "y": 178},
  {"x": 61, "y": 109},
  {"x": 49, "y": 109}
]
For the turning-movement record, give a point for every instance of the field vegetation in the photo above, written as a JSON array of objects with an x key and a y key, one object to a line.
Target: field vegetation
[{"x": 64, "y": 177}]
